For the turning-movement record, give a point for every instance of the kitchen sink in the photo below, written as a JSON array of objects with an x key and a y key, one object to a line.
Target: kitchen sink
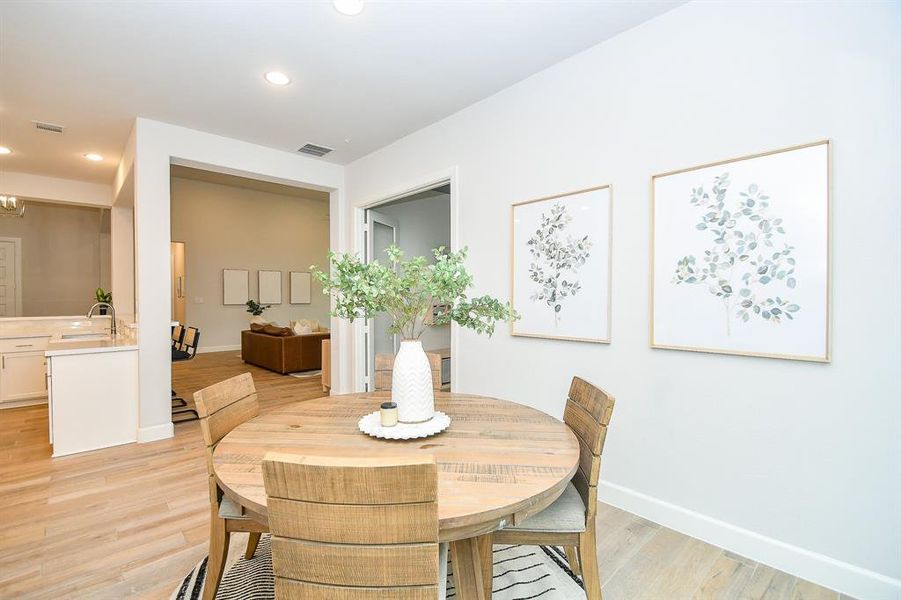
[{"x": 85, "y": 336}]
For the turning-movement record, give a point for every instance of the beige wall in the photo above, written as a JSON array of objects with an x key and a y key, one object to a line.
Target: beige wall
[
  {"x": 65, "y": 256},
  {"x": 230, "y": 227}
]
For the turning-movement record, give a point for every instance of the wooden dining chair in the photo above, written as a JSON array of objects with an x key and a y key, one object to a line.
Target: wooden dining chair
[
  {"x": 384, "y": 365},
  {"x": 222, "y": 407},
  {"x": 570, "y": 520},
  {"x": 353, "y": 528}
]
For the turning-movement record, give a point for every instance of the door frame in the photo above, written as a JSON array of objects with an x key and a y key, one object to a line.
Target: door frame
[
  {"x": 374, "y": 216},
  {"x": 17, "y": 242},
  {"x": 448, "y": 176}
]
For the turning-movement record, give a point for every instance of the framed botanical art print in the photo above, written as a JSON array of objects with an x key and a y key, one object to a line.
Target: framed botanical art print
[
  {"x": 741, "y": 256},
  {"x": 561, "y": 266}
]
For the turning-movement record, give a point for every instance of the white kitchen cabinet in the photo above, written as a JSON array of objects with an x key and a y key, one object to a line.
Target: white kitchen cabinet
[
  {"x": 22, "y": 370},
  {"x": 22, "y": 376}
]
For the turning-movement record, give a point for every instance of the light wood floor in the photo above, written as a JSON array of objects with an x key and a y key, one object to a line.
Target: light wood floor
[{"x": 129, "y": 522}]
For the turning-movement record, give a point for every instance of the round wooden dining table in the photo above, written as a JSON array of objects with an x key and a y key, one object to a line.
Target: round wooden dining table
[{"x": 498, "y": 463}]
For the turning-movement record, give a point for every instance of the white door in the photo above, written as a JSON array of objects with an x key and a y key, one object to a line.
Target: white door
[
  {"x": 382, "y": 232},
  {"x": 179, "y": 301},
  {"x": 9, "y": 306},
  {"x": 23, "y": 376}
]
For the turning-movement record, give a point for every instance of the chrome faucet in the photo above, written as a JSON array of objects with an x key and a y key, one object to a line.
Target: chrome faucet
[{"x": 112, "y": 319}]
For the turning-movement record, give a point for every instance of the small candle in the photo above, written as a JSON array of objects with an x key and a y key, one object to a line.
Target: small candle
[{"x": 389, "y": 414}]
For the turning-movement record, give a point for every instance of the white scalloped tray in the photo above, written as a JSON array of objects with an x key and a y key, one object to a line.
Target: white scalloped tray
[{"x": 371, "y": 425}]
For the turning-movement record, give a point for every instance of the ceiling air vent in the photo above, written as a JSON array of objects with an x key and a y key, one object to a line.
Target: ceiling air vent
[
  {"x": 50, "y": 127},
  {"x": 314, "y": 150}
]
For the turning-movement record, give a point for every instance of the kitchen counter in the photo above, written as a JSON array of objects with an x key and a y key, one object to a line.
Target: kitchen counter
[
  {"x": 92, "y": 386},
  {"x": 12, "y": 328},
  {"x": 61, "y": 347}
]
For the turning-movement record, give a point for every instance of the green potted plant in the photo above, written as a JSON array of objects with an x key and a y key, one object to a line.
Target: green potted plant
[
  {"x": 103, "y": 296},
  {"x": 256, "y": 310},
  {"x": 416, "y": 295}
]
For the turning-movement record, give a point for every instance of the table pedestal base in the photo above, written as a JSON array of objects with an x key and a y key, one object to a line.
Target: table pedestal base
[{"x": 472, "y": 567}]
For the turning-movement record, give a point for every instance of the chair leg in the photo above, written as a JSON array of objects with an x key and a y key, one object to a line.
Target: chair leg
[
  {"x": 252, "y": 542},
  {"x": 219, "y": 538},
  {"x": 443, "y": 550},
  {"x": 588, "y": 559},
  {"x": 486, "y": 555},
  {"x": 572, "y": 557}
]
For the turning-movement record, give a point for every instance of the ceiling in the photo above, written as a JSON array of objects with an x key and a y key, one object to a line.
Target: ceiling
[{"x": 359, "y": 83}]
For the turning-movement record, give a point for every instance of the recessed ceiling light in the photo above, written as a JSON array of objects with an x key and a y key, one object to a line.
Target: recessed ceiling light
[
  {"x": 277, "y": 78},
  {"x": 350, "y": 8},
  {"x": 93, "y": 156},
  {"x": 5, "y": 150}
]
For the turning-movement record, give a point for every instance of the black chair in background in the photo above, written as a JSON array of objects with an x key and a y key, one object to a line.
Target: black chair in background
[
  {"x": 178, "y": 332},
  {"x": 184, "y": 347}
]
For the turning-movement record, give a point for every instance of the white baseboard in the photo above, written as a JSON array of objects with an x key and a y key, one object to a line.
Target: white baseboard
[
  {"x": 156, "y": 432},
  {"x": 21, "y": 403},
  {"x": 205, "y": 349},
  {"x": 812, "y": 566}
]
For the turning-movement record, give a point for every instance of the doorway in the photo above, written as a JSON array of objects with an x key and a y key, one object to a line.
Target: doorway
[
  {"x": 177, "y": 256},
  {"x": 418, "y": 223},
  {"x": 10, "y": 277},
  {"x": 383, "y": 233}
]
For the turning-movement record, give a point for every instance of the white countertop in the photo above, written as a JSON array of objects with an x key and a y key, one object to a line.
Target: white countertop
[
  {"x": 21, "y": 336},
  {"x": 42, "y": 327},
  {"x": 120, "y": 343}
]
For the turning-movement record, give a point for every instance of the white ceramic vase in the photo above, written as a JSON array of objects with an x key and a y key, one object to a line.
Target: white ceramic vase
[
  {"x": 411, "y": 384},
  {"x": 258, "y": 319}
]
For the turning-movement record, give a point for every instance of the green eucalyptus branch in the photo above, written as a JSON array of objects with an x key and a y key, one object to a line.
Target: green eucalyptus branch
[{"x": 407, "y": 290}]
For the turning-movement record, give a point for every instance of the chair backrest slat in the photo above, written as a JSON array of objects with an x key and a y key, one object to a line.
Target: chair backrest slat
[
  {"x": 588, "y": 412},
  {"x": 288, "y": 589},
  {"x": 225, "y": 405},
  {"x": 384, "y": 366},
  {"x": 222, "y": 407},
  {"x": 189, "y": 340},
  {"x": 177, "y": 333},
  {"x": 593, "y": 399},
  {"x": 353, "y": 528}
]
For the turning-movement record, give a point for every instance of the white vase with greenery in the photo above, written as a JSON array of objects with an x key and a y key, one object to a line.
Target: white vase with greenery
[
  {"x": 411, "y": 383},
  {"x": 416, "y": 295}
]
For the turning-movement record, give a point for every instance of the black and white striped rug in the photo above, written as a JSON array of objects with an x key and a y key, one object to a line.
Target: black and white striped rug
[{"x": 520, "y": 573}]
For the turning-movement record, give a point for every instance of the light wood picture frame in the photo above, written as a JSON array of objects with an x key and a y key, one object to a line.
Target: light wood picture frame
[
  {"x": 300, "y": 287},
  {"x": 270, "y": 289},
  {"x": 235, "y": 286},
  {"x": 741, "y": 256},
  {"x": 572, "y": 302}
]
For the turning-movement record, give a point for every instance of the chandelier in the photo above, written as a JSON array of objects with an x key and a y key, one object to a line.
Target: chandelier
[{"x": 10, "y": 206}]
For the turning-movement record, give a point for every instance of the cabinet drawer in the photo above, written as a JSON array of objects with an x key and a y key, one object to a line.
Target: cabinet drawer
[{"x": 28, "y": 344}]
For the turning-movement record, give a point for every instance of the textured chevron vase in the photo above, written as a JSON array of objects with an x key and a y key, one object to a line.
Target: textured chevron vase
[{"x": 411, "y": 384}]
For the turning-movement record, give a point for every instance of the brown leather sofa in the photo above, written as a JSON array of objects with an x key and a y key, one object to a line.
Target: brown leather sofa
[{"x": 283, "y": 353}]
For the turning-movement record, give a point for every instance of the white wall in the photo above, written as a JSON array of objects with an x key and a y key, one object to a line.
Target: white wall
[
  {"x": 155, "y": 146},
  {"x": 228, "y": 227},
  {"x": 794, "y": 464},
  {"x": 28, "y": 185},
  {"x": 423, "y": 224}
]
